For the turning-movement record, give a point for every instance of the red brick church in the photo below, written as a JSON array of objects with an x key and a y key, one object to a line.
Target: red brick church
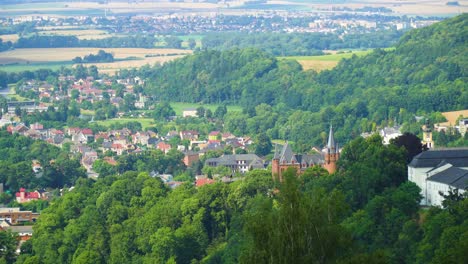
[{"x": 284, "y": 158}]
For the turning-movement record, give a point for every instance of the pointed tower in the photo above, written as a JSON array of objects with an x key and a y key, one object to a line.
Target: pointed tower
[{"x": 332, "y": 153}]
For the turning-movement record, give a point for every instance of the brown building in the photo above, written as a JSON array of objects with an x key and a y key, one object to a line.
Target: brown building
[
  {"x": 14, "y": 215},
  {"x": 190, "y": 158},
  {"x": 284, "y": 158}
]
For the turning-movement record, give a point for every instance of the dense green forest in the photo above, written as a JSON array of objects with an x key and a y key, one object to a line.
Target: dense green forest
[
  {"x": 365, "y": 213},
  {"x": 16, "y": 155},
  {"x": 39, "y": 41},
  {"x": 296, "y": 44},
  {"x": 278, "y": 44}
]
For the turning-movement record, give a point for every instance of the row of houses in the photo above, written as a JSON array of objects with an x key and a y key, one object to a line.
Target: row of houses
[{"x": 124, "y": 141}]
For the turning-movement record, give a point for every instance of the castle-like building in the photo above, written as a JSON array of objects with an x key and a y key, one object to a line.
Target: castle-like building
[{"x": 284, "y": 158}]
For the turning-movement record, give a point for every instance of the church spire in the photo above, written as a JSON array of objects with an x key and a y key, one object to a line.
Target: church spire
[{"x": 331, "y": 146}]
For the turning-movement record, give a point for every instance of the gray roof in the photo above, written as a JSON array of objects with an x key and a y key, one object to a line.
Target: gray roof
[
  {"x": 231, "y": 160},
  {"x": 284, "y": 154},
  {"x": 287, "y": 156},
  {"x": 315, "y": 159},
  {"x": 428, "y": 159},
  {"x": 21, "y": 229},
  {"x": 452, "y": 176}
]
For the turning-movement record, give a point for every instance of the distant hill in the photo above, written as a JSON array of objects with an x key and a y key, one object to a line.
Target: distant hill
[
  {"x": 427, "y": 69},
  {"x": 426, "y": 58},
  {"x": 425, "y": 73}
]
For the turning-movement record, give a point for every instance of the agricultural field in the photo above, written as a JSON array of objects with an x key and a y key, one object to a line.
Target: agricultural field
[
  {"x": 324, "y": 62},
  {"x": 145, "y": 122},
  {"x": 54, "y": 58},
  {"x": 79, "y": 33}
]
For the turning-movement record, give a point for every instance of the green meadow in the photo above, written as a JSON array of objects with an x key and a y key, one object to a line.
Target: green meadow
[
  {"x": 179, "y": 107},
  {"x": 145, "y": 122}
]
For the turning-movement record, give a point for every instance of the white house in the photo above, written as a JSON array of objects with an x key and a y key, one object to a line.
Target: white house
[
  {"x": 389, "y": 133},
  {"x": 189, "y": 112},
  {"x": 438, "y": 168}
]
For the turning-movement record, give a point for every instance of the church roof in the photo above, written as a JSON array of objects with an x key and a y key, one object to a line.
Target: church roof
[
  {"x": 428, "y": 159},
  {"x": 331, "y": 139},
  {"x": 287, "y": 156}
]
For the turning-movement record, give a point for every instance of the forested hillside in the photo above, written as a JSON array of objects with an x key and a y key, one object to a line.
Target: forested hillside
[{"x": 426, "y": 72}]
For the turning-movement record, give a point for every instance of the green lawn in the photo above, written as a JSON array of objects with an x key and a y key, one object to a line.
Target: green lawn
[
  {"x": 145, "y": 122},
  {"x": 179, "y": 107},
  {"x": 87, "y": 112},
  {"x": 35, "y": 66}
]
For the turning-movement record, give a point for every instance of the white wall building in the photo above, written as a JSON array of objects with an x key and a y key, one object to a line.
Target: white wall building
[{"x": 439, "y": 170}]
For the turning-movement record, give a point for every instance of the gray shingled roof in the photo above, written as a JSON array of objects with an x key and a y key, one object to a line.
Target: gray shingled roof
[
  {"x": 431, "y": 158},
  {"x": 231, "y": 160},
  {"x": 287, "y": 156},
  {"x": 452, "y": 176}
]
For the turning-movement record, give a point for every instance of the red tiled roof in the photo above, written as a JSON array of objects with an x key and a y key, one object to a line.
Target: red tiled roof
[
  {"x": 203, "y": 181},
  {"x": 28, "y": 195},
  {"x": 87, "y": 131}
]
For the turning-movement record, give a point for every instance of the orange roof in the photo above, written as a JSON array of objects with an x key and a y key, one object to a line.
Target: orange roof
[{"x": 203, "y": 181}]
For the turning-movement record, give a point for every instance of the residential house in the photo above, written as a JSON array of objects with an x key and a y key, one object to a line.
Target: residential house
[
  {"x": 23, "y": 197},
  {"x": 19, "y": 128},
  {"x": 227, "y": 136},
  {"x": 190, "y": 157},
  {"x": 118, "y": 148},
  {"x": 214, "y": 136},
  {"x": 163, "y": 146},
  {"x": 200, "y": 181},
  {"x": 189, "y": 135},
  {"x": 141, "y": 103},
  {"x": 237, "y": 162},
  {"x": 140, "y": 138},
  {"x": 15, "y": 216},
  {"x": 389, "y": 133},
  {"x": 71, "y": 131},
  {"x": 88, "y": 159},
  {"x": 189, "y": 112},
  {"x": 84, "y": 136}
]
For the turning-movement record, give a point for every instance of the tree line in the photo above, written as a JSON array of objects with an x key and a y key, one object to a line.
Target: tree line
[{"x": 300, "y": 44}]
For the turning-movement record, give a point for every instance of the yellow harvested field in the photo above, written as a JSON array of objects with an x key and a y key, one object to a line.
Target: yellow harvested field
[
  {"x": 453, "y": 116},
  {"x": 111, "y": 68},
  {"x": 79, "y": 33},
  {"x": 140, "y": 57},
  {"x": 9, "y": 37},
  {"x": 67, "y": 54},
  {"x": 317, "y": 65}
]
